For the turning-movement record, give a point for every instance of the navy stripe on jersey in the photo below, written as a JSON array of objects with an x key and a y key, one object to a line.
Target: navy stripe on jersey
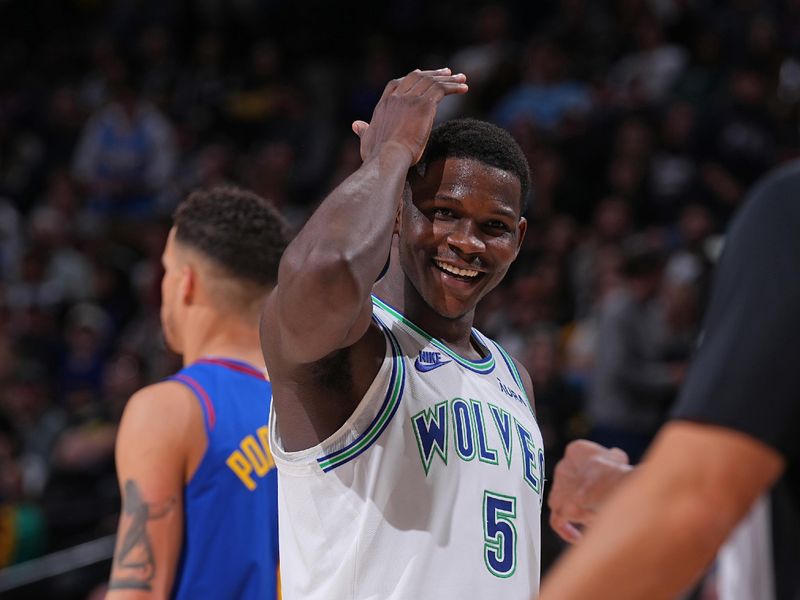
[
  {"x": 209, "y": 414},
  {"x": 235, "y": 365},
  {"x": 391, "y": 402},
  {"x": 482, "y": 366}
]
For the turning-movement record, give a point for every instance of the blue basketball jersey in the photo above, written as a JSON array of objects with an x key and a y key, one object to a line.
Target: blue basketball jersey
[{"x": 230, "y": 539}]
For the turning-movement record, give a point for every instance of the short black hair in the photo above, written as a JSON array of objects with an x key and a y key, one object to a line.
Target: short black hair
[
  {"x": 238, "y": 230},
  {"x": 481, "y": 141}
]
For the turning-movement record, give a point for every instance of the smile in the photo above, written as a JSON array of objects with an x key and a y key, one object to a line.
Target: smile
[{"x": 456, "y": 271}]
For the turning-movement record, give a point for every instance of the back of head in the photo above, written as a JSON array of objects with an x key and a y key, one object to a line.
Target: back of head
[
  {"x": 237, "y": 231},
  {"x": 480, "y": 141}
]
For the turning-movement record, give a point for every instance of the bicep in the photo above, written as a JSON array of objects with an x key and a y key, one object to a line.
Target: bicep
[{"x": 150, "y": 467}]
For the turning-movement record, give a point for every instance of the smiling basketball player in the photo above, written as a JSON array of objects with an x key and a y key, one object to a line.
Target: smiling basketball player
[{"x": 410, "y": 461}]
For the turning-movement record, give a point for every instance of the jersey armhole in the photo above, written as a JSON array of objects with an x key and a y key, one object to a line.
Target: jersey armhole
[
  {"x": 361, "y": 429},
  {"x": 387, "y": 410},
  {"x": 206, "y": 405}
]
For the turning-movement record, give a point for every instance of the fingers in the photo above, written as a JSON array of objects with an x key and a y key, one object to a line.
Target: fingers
[
  {"x": 390, "y": 88},
  {"x": 582, "y": 480},
  {"x": 574, "y": 512},
  {"x": 566, "y": 530},
  {"x": 619, "y": 455},
  {"x": 581, "y": 448},
  {"x": 423, "y": 83},
  {"x": 435, "y": 84},
  {"x": 438, "y": 86},
  {"x": 360, "y": 127},
  {"x": 571, "y": 509},
  {"x": 440, "y": 89},
  {"x": 409, "y": 81}
]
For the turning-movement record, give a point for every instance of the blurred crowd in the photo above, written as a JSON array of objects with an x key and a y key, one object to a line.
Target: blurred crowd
[{"x": 644, "y": 121}]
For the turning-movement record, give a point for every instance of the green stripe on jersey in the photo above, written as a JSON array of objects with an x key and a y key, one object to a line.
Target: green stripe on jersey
[
  {"x": 486, "y": 365},
  {"x": 374, "y": 431}
]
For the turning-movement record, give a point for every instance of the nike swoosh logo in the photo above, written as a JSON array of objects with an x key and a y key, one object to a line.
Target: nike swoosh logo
[{"x": 423, "y": 367}]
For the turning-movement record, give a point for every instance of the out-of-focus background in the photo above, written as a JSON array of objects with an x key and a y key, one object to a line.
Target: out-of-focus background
[{"x": 644, "y": 122}]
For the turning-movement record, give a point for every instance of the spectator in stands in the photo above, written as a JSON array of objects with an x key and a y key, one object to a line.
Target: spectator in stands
[
  {"x": 634, "y": 380},
  {"x": 647, "y": 74},
  {"x": 547, "y": 95},
  {"x": 126, "y": 154}
]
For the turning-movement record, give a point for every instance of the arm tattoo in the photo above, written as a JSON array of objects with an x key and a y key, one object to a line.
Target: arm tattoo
[{"x": 134, "y": 564}]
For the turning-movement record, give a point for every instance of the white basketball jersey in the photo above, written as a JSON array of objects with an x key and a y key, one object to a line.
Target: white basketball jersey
[{"x": 432, "y": 488}]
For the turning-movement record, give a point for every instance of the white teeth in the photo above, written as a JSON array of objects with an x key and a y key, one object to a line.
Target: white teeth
[{"x": 456, "y": 270}]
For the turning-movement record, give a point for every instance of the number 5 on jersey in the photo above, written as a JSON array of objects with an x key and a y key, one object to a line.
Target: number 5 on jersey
[{"x": 499, "y": 533}]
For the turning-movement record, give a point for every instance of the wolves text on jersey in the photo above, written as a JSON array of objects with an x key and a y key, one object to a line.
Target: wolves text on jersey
[{"x": 468, "y": 423}]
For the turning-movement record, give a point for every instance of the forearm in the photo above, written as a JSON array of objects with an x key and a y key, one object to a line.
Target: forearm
[
  {"x": 147, "y": 550},
  {"x": 344, "y": 245},
  {"x": 115, "y": 593},
  {"x": 355, "y": 222}
]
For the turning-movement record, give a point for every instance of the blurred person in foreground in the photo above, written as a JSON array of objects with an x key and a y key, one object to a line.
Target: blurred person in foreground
[
  {"x": 199, "y": 514},
  {"x": 733, "y": 434}
]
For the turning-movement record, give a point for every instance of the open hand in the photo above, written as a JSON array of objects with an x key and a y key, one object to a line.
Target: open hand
[{"x": 404, "y": 114}]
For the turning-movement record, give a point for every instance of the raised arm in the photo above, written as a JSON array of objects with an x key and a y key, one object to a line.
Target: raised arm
[
  {"x": 322, "y": 300},
  {"x": 151, "y": 456}
]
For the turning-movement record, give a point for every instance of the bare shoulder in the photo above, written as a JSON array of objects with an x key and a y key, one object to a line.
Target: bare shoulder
[
  {"x": 165, "y": 413},
  {"x": 159, "y": 404}
]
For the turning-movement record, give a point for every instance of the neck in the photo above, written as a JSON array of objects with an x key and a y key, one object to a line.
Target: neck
[
  {"x": 397, "y": 290},
  {"x": 213, "y": 334}
]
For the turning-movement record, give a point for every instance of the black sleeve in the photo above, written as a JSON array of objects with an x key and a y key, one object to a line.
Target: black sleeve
[{"x": 746, "y": 374}]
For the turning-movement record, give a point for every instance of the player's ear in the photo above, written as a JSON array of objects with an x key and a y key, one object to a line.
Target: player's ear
[
  {"x": 522, "y": 227},
  {"x": 187, "y": 288}
]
